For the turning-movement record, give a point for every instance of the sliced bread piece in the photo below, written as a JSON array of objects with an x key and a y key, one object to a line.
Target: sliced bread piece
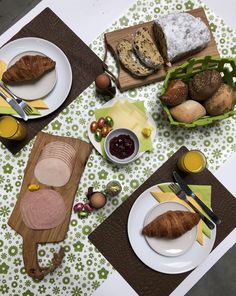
[
  {"x": 129, "y": 61},
  {"x": 179, "y": 35},
  {"x": 146, "y": 49}
]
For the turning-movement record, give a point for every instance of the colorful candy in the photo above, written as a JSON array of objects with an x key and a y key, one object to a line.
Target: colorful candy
[
  {"x": 109, "y": 121},
  {"x": 33, "y": 187},
  {"x": 101, "y": 122},
  {"x": 78, "y": 207},
  {"x": 113, "y": 188},
  {"x": 105, "y": 131},
  {"x": 98, "y": 135},
  {"x": 93, "y": 126}
]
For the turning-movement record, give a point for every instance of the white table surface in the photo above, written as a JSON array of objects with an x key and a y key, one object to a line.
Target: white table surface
[{"x": 100, "y": 14}]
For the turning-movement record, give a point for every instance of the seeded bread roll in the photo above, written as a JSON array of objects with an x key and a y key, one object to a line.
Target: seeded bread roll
[
  {"x": 204, "y": 85},
  {"x": 179, "y": 35},
  {"x": 221, "y": 102},
  {"x": 176, "y": 93},
  {"x": 146, "y": 49},
  {"x": 188, "y": 111},
  {"x": 129, "y": 61}
]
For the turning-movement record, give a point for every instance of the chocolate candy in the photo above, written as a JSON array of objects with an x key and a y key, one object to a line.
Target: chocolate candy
[
  {"x": 109, "y": 121},
  {"x": 98, "y": 135},
  {"x": 113, "y": 188},
  {"x": 93, "y": 126},
  {"x": 101, "y": 122},
  {"x": 78, "y": 207},
  {"x": 105, "y": 131},
  {"x": 83, "y": 214}
]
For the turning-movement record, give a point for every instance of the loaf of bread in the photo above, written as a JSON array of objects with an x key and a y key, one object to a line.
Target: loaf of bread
[
  {"x": 28, "y": 67},
  {"x": 176, "y": 93},
  {"x": 188, "y": 111},
  {"x": 221, "y": 102},
  {"x": 204, "y": 84},
  {"x": 130, "y": 62},
  {"x": 179, "y": 35},
  {"x": 146, "y": 49}
]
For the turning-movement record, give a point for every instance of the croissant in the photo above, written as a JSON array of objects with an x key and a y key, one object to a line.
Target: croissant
[
  {"x": 171, "y": 224},
  {"x": 28, "y": 68}
]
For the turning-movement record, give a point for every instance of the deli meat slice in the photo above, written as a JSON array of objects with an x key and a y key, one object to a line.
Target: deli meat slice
[
  {"x": 52, "y": 172},
  {"x": 42, "y": 209}
]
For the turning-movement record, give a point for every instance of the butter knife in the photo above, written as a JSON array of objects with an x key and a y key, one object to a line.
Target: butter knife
[
  {"x": 13, "y": 103},
  {"x": 184, "y": 186}
]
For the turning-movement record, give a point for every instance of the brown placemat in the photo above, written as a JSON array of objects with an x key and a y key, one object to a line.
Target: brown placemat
[
  {"x": 86, "y": 66},
  {"x": 111, "y": 239}
]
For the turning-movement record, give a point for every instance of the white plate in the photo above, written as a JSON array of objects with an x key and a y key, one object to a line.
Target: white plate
[
  {"x": 32, "y": 90},
  {"x": 64, "y": 74},
  {"x": 170, "y": 265},
  {"x": 108, "y": 104},
  {"x": 169, "y": 247}
]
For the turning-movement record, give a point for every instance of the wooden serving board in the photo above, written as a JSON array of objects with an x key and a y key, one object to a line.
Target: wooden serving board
[
  {"x": 31, "y": 237},
  {"x": 125, "y": 79}
]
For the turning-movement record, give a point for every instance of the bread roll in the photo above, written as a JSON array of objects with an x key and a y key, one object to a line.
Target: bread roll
[
  {"x": 188, "y": 111},
  {"x": 221, "y": 102},
  {"x": 176, "y": 93},
  {"x": 204, "y": 85}
]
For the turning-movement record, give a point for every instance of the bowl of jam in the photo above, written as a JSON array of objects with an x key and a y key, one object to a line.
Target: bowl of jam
[{"x": 121, "y": 146}]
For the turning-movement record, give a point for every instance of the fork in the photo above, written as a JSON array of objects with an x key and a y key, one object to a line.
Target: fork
[
  {"x": 182, "y": 195},
  {"x": 28, "y": 110}
]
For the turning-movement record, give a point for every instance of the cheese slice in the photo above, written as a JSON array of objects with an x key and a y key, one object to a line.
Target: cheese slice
[
  {"x": 127, "y": 115},
  {"x": 3, "y": 67},
  {"x": 170, "y": 196}
]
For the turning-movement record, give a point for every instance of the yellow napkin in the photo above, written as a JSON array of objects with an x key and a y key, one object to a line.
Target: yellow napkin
[{"x": 170, "y": 196}]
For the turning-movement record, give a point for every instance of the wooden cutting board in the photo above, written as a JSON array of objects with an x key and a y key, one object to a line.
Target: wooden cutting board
[
  {"x": 125, "y": 79},
  {"x": 31, "y": 238}
]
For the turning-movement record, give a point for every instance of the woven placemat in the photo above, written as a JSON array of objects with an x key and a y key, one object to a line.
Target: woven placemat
[
  {"x": 85, "y": 64},
  {"x": 111, "y": 238}
]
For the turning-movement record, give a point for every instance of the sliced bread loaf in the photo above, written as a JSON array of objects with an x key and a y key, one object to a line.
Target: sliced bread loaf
[
  {"x": 146, "y": 49},
  {"x": 129, "y": 61},
  {"x": 179, "y": 35}
]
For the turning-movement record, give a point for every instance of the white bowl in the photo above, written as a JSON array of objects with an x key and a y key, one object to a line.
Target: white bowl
[{"x": 115, "y": 133}]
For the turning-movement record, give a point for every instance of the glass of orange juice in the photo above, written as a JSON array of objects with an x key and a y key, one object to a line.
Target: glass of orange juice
[
  {"x": 12, "y": 129},
  {"x": 193, "y": 161}
]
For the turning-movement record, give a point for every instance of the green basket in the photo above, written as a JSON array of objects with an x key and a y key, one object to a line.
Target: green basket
[{"x": 227, "y": 68}]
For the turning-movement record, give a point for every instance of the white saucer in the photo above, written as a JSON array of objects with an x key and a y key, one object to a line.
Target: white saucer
[
  {"x": 32, "y": 90},
  {"x": 170, "y": 247}
]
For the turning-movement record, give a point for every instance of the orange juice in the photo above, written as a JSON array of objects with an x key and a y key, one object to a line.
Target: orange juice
[
  {"x": 11, "y": 129},
  {"x": 193, "y": 161}
]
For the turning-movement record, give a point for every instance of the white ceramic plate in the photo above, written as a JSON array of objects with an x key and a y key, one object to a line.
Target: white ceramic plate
[
  {"x": 64, "y": 74},
  {"x": 193, "y": 257},
  {"x": 169, "y": 247},
  {"x": 110, "y": 103},
  {"x": 32, "y": 90}
]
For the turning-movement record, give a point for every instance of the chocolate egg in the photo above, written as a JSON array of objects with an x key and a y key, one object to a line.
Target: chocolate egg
[
  {"x": 105, "y": 131},
  {"x": 109, "y": 121},
  {"x": 78, "y": 207},
  {"x": 88, "y": 208},
  {"x": 103, "y": 81},
  {"x": 93, "y": 126},
  {"x": 97, "y": 200},
  {"x": 98, "y": 135},
  {"x": 101, "y": 122},
  {"x": 83, "y": 214}
]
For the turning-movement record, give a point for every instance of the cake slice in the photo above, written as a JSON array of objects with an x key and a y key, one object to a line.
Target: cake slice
[
  {"x": 129, "y": 61},
  {"x": 179, "y": 35},
  {"x": 146, "y": 49}
]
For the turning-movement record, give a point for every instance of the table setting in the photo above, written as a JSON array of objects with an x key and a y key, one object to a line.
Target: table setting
[{"x": 109, "y": 154}]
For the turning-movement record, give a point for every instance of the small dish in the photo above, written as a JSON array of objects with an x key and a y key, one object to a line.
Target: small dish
[{"x": 116, "y": 133}]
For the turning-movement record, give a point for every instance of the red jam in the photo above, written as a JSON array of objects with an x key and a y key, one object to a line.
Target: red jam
[{"x": 121, "y": 146}]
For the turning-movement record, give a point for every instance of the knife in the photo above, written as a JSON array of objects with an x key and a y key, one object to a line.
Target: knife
[
  {"x": 13, "y": 103},
  {"x": 184, "y": 186}
]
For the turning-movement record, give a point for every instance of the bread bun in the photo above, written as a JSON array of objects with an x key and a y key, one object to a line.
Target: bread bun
[
  {"x": 176, "y": 93},
  {"x": 204, "y": 85},
  {"x": 188, "y": 111},
  {"x": 221, "y": 102}
]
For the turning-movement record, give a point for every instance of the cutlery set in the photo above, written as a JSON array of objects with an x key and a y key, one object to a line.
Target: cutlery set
[
  {"x": 20, "y": 106},
  {"x": 182, "y": 190}
]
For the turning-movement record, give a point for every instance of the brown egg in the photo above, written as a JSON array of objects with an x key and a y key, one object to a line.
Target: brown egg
[
  {"x": 103, "y": 81},
  {"x": 97, "y": 200}
]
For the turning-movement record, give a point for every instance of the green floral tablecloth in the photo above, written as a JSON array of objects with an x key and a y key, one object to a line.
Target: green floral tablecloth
[{"x": 84, "y": 268}]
